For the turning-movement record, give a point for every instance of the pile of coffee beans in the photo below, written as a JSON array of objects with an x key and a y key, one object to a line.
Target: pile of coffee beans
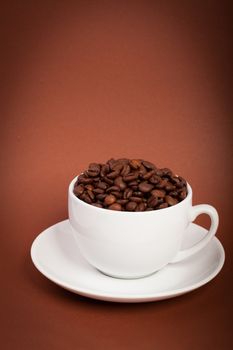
[{"x": 130, "y": 185}]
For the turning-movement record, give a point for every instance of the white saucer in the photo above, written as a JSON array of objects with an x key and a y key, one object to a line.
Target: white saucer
[{"x": 55, "y": 254}]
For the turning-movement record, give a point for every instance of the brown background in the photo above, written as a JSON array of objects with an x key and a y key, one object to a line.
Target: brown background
[{"x": 84, "y": 81}]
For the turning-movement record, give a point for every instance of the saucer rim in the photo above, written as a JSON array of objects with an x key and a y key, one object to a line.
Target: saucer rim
[{"x": 124, "y": 297}]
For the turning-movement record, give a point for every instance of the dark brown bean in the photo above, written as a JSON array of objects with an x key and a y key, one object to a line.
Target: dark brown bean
[
  {"x": 109, "y": 199},
  {"x": 94, "y": 167},
  {"x": 122, "y": 201},
  {"x": 170, "y": 187},
  {"x": 141, "y": 207},
  {"x": 142, "y": 170},
  {"x": 78, "y": 190},
  {"x": 131, "y": 206},
  {"x": 127, "y": 193},
  {"x": 137, "y": 194},
  {"x": 173, "y": 193},
  {"x": 135, "y": 199},
  {"x": 98, "y": 205},
  {"x": 115, "y": 206},
  {"x": 170, "y": 200},
  {"x": 162, "y": 206},
  {"x": 89, "y": 187},
  {"x": 162, "y": 183},
  {"x": 117, "y": 166},
  {"x": 130, "y": 177},
  {"x": 86, "y": 198},
  {"x": 120, "y": 183},
  {"x": 135, "y": 163},
  {"x": 98, "y": 190},
  {"x": 92, "y": 173},
  {"x": 126, "y": 170},
  {"x": 84, "y": 180},
  {"x": 148, "y": 165},
  {"x": 145, "y": 187},
  {"x": 158, "y": 193},
  {"x": 113, "y": 188},
  {"x": 183, "y": 195},
  {"x": 108, "y": 181},
  {"x": 102, "y": 185},
  {"x": 113, "y": 174},
  {"x": 152, "y": 202},
  {"x": 117, "y": 194},
  {"x": 101, "y": 196},
  {"x": 91, "y": 195},
  {"x": 148, "y": 174},
  {"x": 104, "y": 170},
  {"x": 155, "y": 179}
]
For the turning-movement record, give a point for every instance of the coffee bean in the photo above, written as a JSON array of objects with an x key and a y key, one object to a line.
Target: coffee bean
[
  {"x": 91, "y": 195},
  {"x": 127, "y": 193},
  {"x": 152, "y": 202},
  {"x": 145, "y": 187},
  {"x": 137, "y": 194},
  {"x": 86, "y": 198},
  {"x": 170, "y": 200},
  {"x": 131, "y": 206},
  {"x": 148, "y": 165},
  {"x": 84, "y": 180},
  {"x": 92, "y": 173},
  {"x": 122, "y": 201},
  {"x": 148, "y": 175},
  {"x": 135, "y": 163},
  {"x": 142, "y": 170},
  {"x": 113, "y": 174},
  {"x": 113, "y": 188},
  {"x": 183, "y": 195},
  {"x": 101, "y": 196},
  {"x": 120, "y": 183},
  {"x": 98, "y": 190},
  {"x": 102, "y": 185},
  {"x": 117, "y": 194},
  {"x": 130, "y": 177},
  {"x": 158, "y": 193},
  {"x": 115, "y": 206},
  {"x": 154, "y": 179},
  {"x": 162, "y": 183},
  {"x": 78, "y": 190},
  {"x": 117, "y": 167},
  {"x": 135, "y": 199},
  {"x": 98, "y": 205},
  {"x": 89, "y": 187},
  {"x": 162, "y": 206},
  {"x": 126, "y": 170},
  {"x": 108, "y": 181},
  {"x": 141, "y": 207},
  {"x": 169, "y": 187},
  {"x": 104, "y": 170},
  {"x": 109, "y": 199}
]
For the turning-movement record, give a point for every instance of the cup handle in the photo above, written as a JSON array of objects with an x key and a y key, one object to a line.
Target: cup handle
[{"x": 194, "y": 212}]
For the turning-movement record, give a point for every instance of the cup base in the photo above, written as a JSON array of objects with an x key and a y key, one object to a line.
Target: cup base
[{"x": 126, "y": 277}]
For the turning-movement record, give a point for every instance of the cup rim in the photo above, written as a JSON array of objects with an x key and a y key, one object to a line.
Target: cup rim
[{"x": 113, "y": 212}]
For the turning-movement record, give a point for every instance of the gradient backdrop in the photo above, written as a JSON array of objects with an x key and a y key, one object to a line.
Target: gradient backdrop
[{"x": 84, "y": 81}]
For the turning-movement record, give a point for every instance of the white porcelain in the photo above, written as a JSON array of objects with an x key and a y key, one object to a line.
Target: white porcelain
[
  {"x": 135, "y": 244},
  {"x": 56, "y": 256}
]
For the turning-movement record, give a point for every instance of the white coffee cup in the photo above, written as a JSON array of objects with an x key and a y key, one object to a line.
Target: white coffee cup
[{"x": 135, "y": 244}]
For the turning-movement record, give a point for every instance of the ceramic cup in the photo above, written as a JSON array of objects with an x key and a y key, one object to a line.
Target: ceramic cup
[{"x": 135, "y": 244}]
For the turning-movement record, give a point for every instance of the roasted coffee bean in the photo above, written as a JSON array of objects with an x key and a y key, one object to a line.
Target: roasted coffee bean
[
  {"x": 158, "y": 193},
  {"x": 108, "y": 181},
  {"x": 78, "y": 190},
  {"x": 102, "y": 185},
  {"x": 183, "y": 195},
  {"x": 113, "y": 174},
  {"x": 152, "y": 202},
  {"x": 130, "y": 177},
  {"x": 89, "y": 187},
  {"x": 127, "y": 193},
  {"x": 135, "y": 199},
  {"x": 98, "y": 190},
  {"x": 115, "y": 206},
  {"x": 141, "y": 206},
  {"x": 91, "y": 195},
  {"x": 131, "y": 206},
  {"x": 170, "y": 200},
  {"x": 120, "y": 183},
  {"x": 101, "y": 196},
  {"x": 117, "y": 194},
  {"x": 148, "y": 175},
  {"x": 109, "y": 199},
  {"x": 126, "y": 170},
  {"x": 148, "y": 165},
  {"x": 104, "y": 170},
  {"x": 154, "y": 179},
  {"x": 145, "y": 187},
  {"x": 122, "y": 201},
  {"x": 135, "y": 163},
  {"x": 129, "y": 185},
  {"x": 98, "y": 205},
  {"x": 113, "y": 188},
  {"x": 162, "y": 206}
]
